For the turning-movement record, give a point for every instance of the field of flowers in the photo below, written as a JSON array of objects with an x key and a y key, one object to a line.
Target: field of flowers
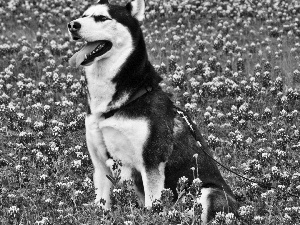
[{"x": 234, "y": 65}]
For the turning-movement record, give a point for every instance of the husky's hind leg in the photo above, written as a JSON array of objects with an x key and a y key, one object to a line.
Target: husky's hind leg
[{"x": 214, "y": 200}]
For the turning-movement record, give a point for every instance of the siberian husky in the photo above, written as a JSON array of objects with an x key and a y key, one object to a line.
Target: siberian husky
[{"x": 130, "y": 118}]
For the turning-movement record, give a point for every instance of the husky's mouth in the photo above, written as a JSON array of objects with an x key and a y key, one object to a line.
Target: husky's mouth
[{"x": 89, "y": 52}]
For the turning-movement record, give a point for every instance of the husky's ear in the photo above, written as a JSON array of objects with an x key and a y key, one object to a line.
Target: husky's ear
[
  {"x": 103, "y": 2},
  {"x": 137, "y": 9}
]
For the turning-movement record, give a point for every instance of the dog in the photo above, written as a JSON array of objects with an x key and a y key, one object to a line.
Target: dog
[{"x": 130, "y": 118}]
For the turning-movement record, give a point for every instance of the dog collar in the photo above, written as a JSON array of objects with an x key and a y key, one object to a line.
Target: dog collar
[{"x": 137, "y": 95}]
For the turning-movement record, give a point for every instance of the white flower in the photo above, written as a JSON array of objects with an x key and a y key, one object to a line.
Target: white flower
[
  {"x": 48, "y": 200},
  {"x": 43, "y": 176},
  {"x": 265, "y": 155},
  {"x": 77, "y": 193},
  {"x": 197, "y": 181},
  {"x": 76, "y": 163},
  {"x": 128, "y": 223},
  {"x": 229, "y": 218},
  {"x": 43, "y": 221},
  {"x": 249, "y": 141},
  {"x": 18, "y": 167},
  {"x": 117, "y": 190},
  {"x": 13, "y": 210}
]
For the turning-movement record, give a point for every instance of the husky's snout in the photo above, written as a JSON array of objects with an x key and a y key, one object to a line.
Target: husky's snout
[{"x": 74, "y": 27}]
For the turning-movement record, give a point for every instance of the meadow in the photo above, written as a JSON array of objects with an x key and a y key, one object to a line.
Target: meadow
[{"x": 233, "y": 65}]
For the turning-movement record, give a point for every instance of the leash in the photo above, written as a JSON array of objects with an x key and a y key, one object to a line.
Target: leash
[{"x": 202, "y": 145}]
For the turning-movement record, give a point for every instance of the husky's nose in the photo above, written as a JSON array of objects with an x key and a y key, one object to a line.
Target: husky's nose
[{"x": 74, "y": 26}]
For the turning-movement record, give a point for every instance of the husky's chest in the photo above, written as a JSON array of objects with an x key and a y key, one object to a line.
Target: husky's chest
[
  {"x": 125, "y": 138},
  {"x": 100, "y": 87}
]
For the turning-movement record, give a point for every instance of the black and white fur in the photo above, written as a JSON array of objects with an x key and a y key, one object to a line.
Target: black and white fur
[{"x": 152, "y": 142}]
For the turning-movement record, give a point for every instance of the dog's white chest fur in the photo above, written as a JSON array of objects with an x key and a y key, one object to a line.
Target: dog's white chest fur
[
  {"x": 101, "y": 89},
  {"x": 125, "y": 139}
]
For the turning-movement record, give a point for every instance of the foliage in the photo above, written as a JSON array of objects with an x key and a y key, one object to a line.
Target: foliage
[{"x": 233, "y": 65}]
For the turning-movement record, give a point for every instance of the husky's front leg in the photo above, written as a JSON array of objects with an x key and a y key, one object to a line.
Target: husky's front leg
[
  {"x": 153, "y": 181},
  {"x": 102, "y": 185},
  {"x": 98, "y": 154}
]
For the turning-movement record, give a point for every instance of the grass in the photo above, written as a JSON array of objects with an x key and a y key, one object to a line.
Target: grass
[{"x": 231, "y": 64}]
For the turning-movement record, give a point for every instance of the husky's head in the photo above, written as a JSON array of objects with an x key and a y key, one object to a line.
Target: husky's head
[{"x": 107, "y": 30}]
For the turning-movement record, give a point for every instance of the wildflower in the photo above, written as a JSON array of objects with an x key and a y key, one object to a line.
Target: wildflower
[
  {"x": 280, "y": 154},
  {"x": 11, "y": 196},
  {"x": 166, "y": 196},
  {"x": 128, "y": 222},
  {"x": 39, "y": 155},
  {"x": 13, "y": 210},
  {"x": 220, "y": 218},
  {"x": 246, "y": 211},
  {"x": 43, "y": 177},
  {"x": 228, "y": 156},
  {"x": 197, "y": 181},
  {"x": 173, "y": 213},
  {"x": 78, "y": 193},
  {"x": 233, "y": 108},
  {"x": 157, "y": 206},
  {"x": 56, "y": 131},
  {"x": 19, "y": 168},
  {"x": 76, "y": 164},
  {"x": 268, "y": 194},
  {"x": 117, "y": 190},
  {"x": 46, "y": 108},
  {"x": 296, "y": 176},
  {"x": 182, "y": 184},
  {"x": 48, "y": 200},
  {"x": 87, "y": 183},
  {"x": 44, "y": 221},
  {"x": 265, "y": 155},
  {"x": 249, "y": 140},
  {"x": 191, "y": 107},
  {"x": 258, "y": 219},
  {"x": 220, "y": 115},
  {"x": 60, "y": 204},
  {"x": 275, "y": 169}
]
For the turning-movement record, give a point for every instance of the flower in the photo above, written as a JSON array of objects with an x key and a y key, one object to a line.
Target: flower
[
  {"x": 128, "y": 223},
  {"x": 13, "y": 210}
]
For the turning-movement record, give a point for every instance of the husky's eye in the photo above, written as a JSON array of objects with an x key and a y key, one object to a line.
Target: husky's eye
[
  {"x": 100, "y": 18},
  {"x": 84, "y": 16}
]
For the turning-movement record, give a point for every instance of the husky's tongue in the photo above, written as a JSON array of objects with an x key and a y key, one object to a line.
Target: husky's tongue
[{"x": 79, "y": 56}]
